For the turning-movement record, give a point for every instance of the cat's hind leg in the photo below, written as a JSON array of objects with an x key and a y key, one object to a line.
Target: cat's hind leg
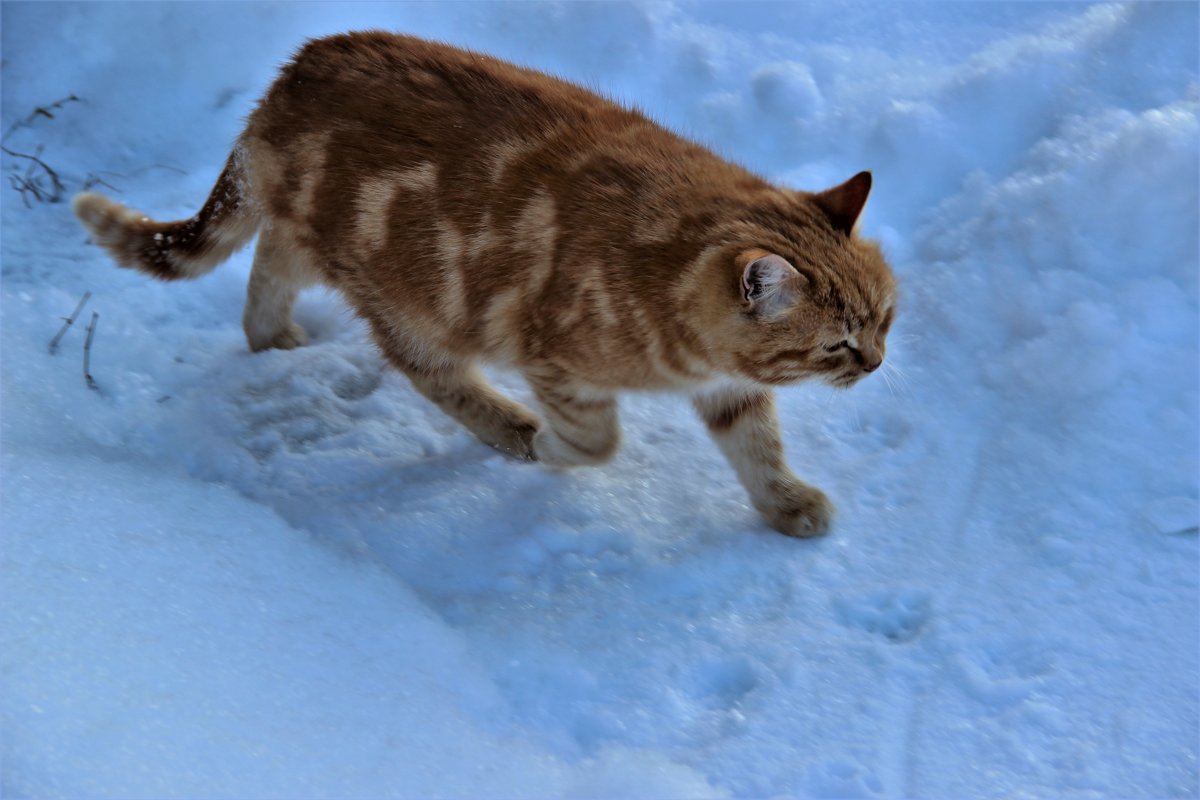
[
  {"x": 744, "y": 424},
  {"x": 279, "y": 272},
  {"x": 582, "y": 427}
]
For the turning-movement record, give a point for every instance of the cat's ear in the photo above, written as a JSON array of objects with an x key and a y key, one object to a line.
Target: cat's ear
[
  {"x": 842, "y": 204},
  {"x": 769, "y": 284}
]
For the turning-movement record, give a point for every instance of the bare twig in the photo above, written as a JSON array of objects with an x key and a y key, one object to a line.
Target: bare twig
[
  {"x": 31, "y": 180},
  {"x": 96, "y": 178},
  {"x": 87, "y": 353},
  {"x": 140, "y": 170},
  {"x": 93, "y": 179},
  {"x": 41, "y": 182},
  {"x": 25, "y": 188},
  {"x": 40, "y": 111},
  {"x": 68, "y": 322}
]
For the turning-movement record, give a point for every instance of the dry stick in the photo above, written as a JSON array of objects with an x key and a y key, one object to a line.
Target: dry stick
[
  {"x": 23, "y": 186},
  {"x": 140, "y": 170},
  {"x": 68, "y": 322},
  {"x": 87, "y": 353},
  {"x": 54, "y": 179},
  {"x": 40, "y": 111},
  {"x": 92, "y": 180},
  {"x": 29, "y": 184}
]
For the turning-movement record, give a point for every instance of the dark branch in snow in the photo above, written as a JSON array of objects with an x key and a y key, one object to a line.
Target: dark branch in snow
[
  {"x": 32, "y": 182},
  {"x": 140, "y": 170},
  {"x": 68, "y": 322},
  {"x": 87, "y": 353},
  {"x": 23, "y": 186},
  {"x": 41, "y": 182},
  {"x": 40, "y": 111},
  {"x": 93, "y": 180},
  {"x": 160, "y": 166}
]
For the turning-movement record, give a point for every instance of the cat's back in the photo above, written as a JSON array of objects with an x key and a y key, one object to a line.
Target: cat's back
[
  {"x": 471, "y": 133},
  {"x": 474, "y": 198},
  {"x": 468, "y": 136},
  {"x": 405, "y": 87}
]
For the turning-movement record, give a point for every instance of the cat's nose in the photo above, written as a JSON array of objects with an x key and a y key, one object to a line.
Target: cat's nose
[{"x": 871, "y": 366}]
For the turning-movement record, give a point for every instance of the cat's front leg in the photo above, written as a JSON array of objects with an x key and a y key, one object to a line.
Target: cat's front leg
[
  {"x": 581, "y": 426},
  {"x": 462, "y": 393},
  {"x": 743, "y": 422}
]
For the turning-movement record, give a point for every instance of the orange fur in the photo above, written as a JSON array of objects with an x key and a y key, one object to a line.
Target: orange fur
[{"x": 474, "y": 211}]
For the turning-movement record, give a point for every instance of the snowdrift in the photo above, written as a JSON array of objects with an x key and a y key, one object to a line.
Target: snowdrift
[{"x": 285, "y": 574}]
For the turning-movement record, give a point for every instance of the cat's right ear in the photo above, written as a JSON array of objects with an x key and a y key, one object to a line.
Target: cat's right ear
[
  {"x": 843, "y": 203},
  {"x": 769, "y": 285}
]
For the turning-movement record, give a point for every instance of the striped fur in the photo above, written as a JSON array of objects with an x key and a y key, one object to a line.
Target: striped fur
[
  {"x": 173, "y": 250},
  {"x": 474, "y": 211}
]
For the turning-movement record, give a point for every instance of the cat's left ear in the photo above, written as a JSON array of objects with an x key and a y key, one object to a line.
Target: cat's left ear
[
  {"x": 842, "y": 204},
  {"x": 769, "y": 284}
]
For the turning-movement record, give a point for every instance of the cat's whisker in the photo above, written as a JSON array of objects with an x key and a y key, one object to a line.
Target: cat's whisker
[
  {"x": 896, "y": 378},
  {"x": 897, "y": 371},
  {"x": 887, "y": 379}
]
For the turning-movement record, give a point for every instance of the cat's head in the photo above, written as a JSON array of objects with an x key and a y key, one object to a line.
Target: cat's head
[{"x": 811, "y": 299}]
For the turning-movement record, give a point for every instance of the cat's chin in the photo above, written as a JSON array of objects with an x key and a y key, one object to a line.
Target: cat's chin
[{"x": 842, "y": 381}]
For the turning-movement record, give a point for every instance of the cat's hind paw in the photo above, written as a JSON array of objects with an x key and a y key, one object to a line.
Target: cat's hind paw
[
  {"x": 513, "y": 435},
  {"x": 517, "y": 442},
  {"x": 554, "y": 450}
]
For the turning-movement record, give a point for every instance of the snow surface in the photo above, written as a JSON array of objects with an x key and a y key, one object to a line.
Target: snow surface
[{"x": 287, "y": 575}]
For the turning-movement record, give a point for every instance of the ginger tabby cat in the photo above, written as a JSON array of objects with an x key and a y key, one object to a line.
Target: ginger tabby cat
[{"x": 474, "y": 211}]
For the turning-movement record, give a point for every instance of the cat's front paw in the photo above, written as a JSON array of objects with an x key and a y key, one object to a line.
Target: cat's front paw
[
  {"x": 797, "y": 509},
  {"x": 288, "y": 338}
]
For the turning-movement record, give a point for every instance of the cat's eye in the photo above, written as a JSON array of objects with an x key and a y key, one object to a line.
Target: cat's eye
[{"x": 833, "y": 348}]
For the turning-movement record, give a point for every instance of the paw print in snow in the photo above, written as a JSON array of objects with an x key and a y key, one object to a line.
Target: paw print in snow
[
  {"x": 357, "y": 385},
  {"x": 1004, "y": 673},
  {"x": 301, "y": 404},
  {"x": 724, "y": 682},
  {"x": 896, "y": 614}
]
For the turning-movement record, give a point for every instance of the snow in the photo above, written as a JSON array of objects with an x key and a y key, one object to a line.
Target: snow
[{"x": 286, "y": 574}]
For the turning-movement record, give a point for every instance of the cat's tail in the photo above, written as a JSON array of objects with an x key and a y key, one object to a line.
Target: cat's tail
[{"x": 173, "y": 250}]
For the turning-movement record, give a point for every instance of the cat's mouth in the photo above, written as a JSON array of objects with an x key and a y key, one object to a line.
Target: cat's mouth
[{"x": 844, "y": 380}]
